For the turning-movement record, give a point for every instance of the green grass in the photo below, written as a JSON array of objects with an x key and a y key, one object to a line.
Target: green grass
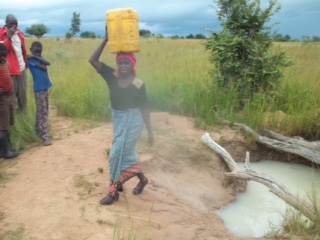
[
  {"x": 17, "y": 234},
  {"x": 295, "y": 225},
  {"x": 4, "y": 176},
  {"x": 177, "y": 76},
  {"x": 127, "y": 226},
  {"x": 82, "y": 183}
]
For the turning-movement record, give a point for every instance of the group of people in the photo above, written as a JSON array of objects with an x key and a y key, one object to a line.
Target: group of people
[
  {"x": 13, "y": 83},
  {"x": 128, "y": 103}
]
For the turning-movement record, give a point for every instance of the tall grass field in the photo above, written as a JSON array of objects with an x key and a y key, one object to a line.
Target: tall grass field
[{"x": 176, "y": 73}]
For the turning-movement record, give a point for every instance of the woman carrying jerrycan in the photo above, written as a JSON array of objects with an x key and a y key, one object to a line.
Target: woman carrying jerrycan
[{"x": 130, "y": 112}]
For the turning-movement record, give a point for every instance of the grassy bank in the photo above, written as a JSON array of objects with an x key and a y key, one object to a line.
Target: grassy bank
[{"x": 176, "y": 74}]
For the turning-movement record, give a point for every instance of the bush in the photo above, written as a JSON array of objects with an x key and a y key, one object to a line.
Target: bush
[{"x": 242, "y": 51}]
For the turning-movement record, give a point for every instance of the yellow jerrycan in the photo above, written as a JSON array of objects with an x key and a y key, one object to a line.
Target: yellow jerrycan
[{"x": 123, "y": 30}]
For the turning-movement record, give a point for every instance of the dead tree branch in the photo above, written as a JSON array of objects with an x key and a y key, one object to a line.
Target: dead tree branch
[
  {"x": 248, "y": 174},
  {"x": 298, "y": 146}
]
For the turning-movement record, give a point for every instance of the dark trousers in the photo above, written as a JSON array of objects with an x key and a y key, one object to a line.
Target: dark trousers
[
  {"x": 20, "y": 90},
  {"x": 6, "y": 111}
]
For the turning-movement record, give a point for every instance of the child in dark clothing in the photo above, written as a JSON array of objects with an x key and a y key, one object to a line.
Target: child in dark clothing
[
  {"x": 6, "y": 106},
  {"x": 41, "y": 83}
]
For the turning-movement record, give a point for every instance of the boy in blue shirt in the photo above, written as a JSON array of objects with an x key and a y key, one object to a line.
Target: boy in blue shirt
[{"x": 41, "y": 83}]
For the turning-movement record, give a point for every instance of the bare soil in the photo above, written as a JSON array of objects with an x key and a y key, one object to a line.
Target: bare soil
[{"x": 53, "y": 192}]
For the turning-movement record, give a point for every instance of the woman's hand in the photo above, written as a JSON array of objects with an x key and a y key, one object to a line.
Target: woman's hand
[{"x": 150, "y": 139}]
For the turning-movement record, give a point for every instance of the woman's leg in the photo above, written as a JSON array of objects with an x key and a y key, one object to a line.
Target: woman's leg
[
  {"x": 113, "y": 195},
  {"x": 143, "y": 182},
  {"x": 134, "y": 170}
]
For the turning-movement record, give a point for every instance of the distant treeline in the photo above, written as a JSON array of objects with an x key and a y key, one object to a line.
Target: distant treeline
[
  {"x": 287, "y": 38},
  {"x": 39, "y": 30}
]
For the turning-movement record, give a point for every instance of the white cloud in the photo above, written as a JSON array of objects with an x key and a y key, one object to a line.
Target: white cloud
[{"x": 167, "y": 17}]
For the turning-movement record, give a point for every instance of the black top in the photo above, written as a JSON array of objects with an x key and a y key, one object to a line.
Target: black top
[{"x": 132, "y": 96}]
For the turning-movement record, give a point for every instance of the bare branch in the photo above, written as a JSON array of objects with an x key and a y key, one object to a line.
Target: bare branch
[{"x": 248, "y": 174}]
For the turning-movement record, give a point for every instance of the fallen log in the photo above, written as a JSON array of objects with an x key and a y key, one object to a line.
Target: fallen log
[
  {"x": 315, "y": 145},
  {"x": 248, "y": 174},
  {"x": 298, "y": 146}
]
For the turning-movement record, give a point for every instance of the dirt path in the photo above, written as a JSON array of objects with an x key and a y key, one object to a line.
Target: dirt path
[{"x": 54, "y": 191}]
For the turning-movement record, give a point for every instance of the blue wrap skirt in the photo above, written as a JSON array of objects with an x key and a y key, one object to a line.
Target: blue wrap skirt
[{"x": 127, "y": 129}]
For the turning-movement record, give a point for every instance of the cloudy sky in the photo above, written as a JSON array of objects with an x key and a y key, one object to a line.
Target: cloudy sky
[{"x": 297, "y": 18}]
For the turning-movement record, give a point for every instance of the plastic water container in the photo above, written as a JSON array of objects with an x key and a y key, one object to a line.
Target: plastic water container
[{"x": 123, "y": 30}]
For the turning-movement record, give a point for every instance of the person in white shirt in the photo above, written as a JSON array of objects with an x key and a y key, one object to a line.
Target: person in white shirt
[{"x": 13, "y": 39}]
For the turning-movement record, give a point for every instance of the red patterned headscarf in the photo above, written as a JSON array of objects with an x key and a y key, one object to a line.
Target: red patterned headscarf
[{"x": 131, "y": 57}]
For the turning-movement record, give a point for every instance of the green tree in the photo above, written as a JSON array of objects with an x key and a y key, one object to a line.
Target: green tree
[
  {"x": 287, "y": 38},
  {"x": 190, "y": 36},
  {"x": 144, "y": 33},
  {"x": 88, "y": 34},
  {"x": 37, "y": 30},
  {"x": 280, "y": 38},
  {"x": 242, "y": 51},
  {"x": 316, "y": 38},
  {"x": 68, "y": 36},
  {"x": 75, "y": 24},
  {"x": 200, "y": 36},
  {"x": 175, "y": 37}
]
